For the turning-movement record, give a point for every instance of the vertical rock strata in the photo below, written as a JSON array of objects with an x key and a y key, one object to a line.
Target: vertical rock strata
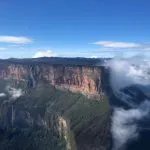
[{"x": 86, "y": 80}]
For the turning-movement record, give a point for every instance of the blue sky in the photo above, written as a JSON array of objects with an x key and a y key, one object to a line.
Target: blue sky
[{"x": 85, "y": 28}]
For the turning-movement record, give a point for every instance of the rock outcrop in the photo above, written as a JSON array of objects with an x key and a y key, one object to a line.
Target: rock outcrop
[{"x": 83, "y": 79}]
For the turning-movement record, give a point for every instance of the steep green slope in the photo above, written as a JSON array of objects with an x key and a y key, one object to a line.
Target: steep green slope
[{"x": 45, "y": 118}]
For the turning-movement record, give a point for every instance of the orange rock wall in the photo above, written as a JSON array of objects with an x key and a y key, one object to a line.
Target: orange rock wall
[{"x": 86, "y": 80}]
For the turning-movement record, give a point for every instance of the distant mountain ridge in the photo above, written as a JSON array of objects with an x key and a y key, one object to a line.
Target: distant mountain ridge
[{"x": 58, "y": 61}]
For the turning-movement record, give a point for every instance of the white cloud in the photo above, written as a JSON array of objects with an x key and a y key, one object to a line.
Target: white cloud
[
  {"x": 2, "y": 94},
  {"x": 13, "y": 45},
  {"x": 125, "y": 72},
  {"x": 124, "y": 124},
  {"x": 15, "y": 93},
  {"x": 146, "y": 48},
  {"x": 111, "y": 44},
  {"x": 47, "y": 53},
  {"x": 15, "y": 39},
  {"x": 94, "y": 57},
  {"x": 3, "y": 48}
]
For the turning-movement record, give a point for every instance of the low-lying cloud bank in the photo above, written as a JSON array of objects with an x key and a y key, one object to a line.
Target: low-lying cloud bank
[
  {"x": 14, "y": 93},
  {"x": 2, "y": 94},
  {"x": 126, "y": 72},
  {"x": 124, "y": 124}
]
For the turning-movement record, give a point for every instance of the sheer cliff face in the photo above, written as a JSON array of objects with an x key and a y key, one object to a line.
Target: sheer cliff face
[{"x": 86, "y": 80}]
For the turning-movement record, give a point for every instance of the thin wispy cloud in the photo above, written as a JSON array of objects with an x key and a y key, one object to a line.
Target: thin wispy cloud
[
  {"x": 3, "y": 48},
  {"x": 112, "y": 44},
  {"x": 15, "y": 39},
  {"x": 13, "y": 45}
]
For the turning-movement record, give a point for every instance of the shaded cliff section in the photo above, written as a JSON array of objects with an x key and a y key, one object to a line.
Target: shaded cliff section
[
  {"x": 83, "y": 79},
  {"x": 52, "y": 119}
]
